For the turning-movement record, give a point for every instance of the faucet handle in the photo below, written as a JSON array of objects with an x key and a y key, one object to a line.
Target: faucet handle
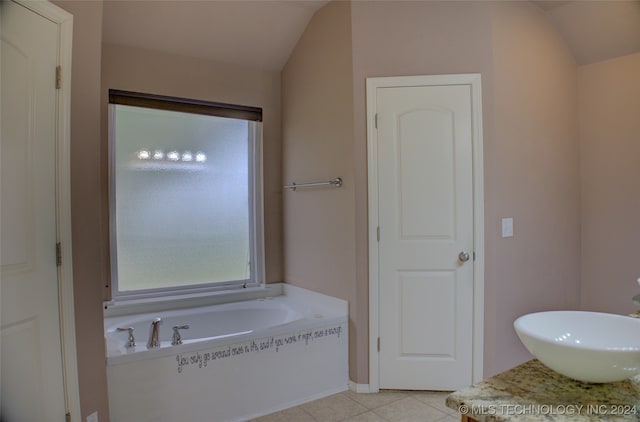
[
  {"x": 177, "y": 338},
  {"x": 131, "y": 342}
]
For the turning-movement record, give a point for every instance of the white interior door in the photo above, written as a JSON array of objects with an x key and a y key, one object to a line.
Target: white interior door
[
  {"x": 32, "y": 386},
  {"x": 425, "y": 207}
]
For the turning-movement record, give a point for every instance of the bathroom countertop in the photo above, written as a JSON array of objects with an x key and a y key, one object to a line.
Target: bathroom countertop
[{"x": 533, "y": 392}]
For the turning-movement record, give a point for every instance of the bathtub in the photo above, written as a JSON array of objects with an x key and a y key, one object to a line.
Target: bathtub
[{"x": 238, "y": 360}]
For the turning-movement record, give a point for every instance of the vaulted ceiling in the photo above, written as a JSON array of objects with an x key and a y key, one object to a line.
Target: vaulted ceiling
[
  {"x": 597, "y": 30},
  {"x": 262, "y": 33},
  {"x": 254, "y": 33}
]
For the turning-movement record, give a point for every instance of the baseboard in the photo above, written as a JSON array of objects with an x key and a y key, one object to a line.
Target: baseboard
[{"x": 360, "y": 388}]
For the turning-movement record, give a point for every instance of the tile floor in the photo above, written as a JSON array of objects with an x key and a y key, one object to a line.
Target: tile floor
[{"x": 385, "y": 406}]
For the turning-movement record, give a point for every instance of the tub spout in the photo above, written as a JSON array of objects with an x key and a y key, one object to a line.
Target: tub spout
[{"x": 154, "y": 335}]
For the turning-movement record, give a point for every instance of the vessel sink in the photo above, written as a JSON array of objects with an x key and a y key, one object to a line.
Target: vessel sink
[{"x": 586, "y": 346}]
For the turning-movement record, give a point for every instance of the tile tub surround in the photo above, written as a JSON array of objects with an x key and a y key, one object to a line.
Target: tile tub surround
[
  {"x": 385, "y": 406},
  {"x": 533, "y": 392}
]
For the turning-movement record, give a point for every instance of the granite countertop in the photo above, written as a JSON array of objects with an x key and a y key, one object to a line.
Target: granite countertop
[{"x": 533, "y": 392}]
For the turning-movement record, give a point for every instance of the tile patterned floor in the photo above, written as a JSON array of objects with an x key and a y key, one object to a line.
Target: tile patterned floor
[{"x": 385, "y": 406}]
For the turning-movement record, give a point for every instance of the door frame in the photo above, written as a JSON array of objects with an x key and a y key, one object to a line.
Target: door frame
[
  {"x": 64, "y": 21},
  {"x": 474, "y": 81}
]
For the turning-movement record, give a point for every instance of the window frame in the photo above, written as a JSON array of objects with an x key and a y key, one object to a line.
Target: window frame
[{"x": 253, "y": 115}]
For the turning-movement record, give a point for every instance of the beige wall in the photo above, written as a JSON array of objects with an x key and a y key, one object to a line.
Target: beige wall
[
  {"x": 532, "y": 175},
  {"x": 317, "y": 118},
  {"x": 609, "y": 116},
  {"x": 89, "y": 266},
  {"x": 530, "y": 152},
  {"x": 134, "y": 69}
]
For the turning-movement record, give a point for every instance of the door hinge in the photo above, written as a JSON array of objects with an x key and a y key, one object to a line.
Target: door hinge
[
  {"x": 378, "y": 233},
  {"x": 474, "y": 255},
  {"x": 58, "y": 77},
  {"x": 378, "y": 344},
  {"x": 58, "y": 254},
  {"x": 376, "y": 121},
  {"x": 68, "y": 417}
]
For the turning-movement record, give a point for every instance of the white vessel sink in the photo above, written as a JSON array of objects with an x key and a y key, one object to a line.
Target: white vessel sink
[{"x": 586, "y": 346}]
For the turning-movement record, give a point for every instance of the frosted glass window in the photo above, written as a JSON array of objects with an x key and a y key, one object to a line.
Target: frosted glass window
[{"x": 184, "y": 205}]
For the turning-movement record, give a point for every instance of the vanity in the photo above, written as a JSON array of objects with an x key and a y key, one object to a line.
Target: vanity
[{"x": 533, "y": 392}]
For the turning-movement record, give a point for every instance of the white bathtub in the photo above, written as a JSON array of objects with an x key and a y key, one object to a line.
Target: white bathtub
[{"x": 238, "y": 360}]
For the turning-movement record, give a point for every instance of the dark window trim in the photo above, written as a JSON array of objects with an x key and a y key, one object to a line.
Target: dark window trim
[{"x": 162, "y": 102}]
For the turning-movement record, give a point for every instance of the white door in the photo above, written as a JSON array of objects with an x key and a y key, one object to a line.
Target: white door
[
  {"x": 426, "y": 236},
  {"x": 32, "y": 387}
]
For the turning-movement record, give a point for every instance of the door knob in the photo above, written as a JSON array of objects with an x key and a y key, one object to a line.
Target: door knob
[{"x": 463, "y": 256}]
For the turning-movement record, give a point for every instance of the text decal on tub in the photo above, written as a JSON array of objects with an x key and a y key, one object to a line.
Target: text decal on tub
[{"x": 200, "y": 359}]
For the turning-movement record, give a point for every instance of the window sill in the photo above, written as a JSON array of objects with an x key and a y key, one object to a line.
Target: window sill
[{"x": 161, "y": 303}]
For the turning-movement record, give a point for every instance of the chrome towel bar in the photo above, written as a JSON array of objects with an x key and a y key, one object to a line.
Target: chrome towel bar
[{"x": 337, "y": 182}]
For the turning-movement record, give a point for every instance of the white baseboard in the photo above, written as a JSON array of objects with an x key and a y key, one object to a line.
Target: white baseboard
[{"x": 360, "y": 388}]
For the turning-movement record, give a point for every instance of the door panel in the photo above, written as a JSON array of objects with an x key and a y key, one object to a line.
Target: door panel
[
  {"x": 16, "y": 198},
  {"x": 426, "y": 219},
  {"x": 32, "y": 379},
  {"x": 429, "y": 179},
  {"x": 21, "y": 369},
  {"x": 424, "y": 294}
]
